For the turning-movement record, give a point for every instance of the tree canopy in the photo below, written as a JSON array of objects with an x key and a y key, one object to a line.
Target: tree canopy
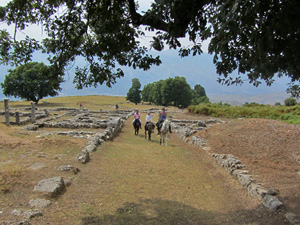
[
  {"x": 31, "y": 82},
  {"x": 257, "y": 38},
  {"x": 134, "y": 93},
  {"x": 173, "y": 91}
]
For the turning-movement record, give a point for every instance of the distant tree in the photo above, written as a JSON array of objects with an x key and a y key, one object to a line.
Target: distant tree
[
  {"x": 134, "y": 93},
  {"x": 147, "y": 93},
  {"x": 199, "y": 90},
  {"x": 32, "y": 81},
  {"x": 182, "y": 92},
  {"x": 167, "y": 92},
  {"x": 157, "y": 93},
  {"x": 277, "y": 104},
  {"x": 172, "y": 91},
  {"x": 199, "y": 95},
  {"x": 290, "y": 101},
  {"x": 294, "y": 90}
]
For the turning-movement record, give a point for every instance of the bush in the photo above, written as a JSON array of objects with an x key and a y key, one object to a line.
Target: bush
[
  {"x": 290, "y": 101},
  {"x": 289, "y": 114}
]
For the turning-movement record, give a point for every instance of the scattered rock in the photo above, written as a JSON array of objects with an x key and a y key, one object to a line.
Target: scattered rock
[
  {"x": 39, "y": 203},
  {"x": 17, "y": 212},
  {"x": 257, "y": 191},
  {"x": 69, "y": 168},
  {"x": 28, "y": 214},
  {"x": 272, "y": 191},
  {"x": 91, "y": 148},
  {"x": 272, "y": 202},
  {"x": 37, "y": 166},
  {"x": 32, "y": 127},
  {"x": 196, "y": 140},
  {"x": 83, "y": 157},
  {"x": 51, "y": 187},
  {"x": 244, "y": 179},
  {"x": 293, "y": 218},
  {"x": 201, "y": 124}
]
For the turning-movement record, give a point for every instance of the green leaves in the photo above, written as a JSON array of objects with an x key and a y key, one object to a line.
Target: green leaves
[
  {"x": 31, "y": 81},
  {"x": 134, "y": 93},
  {"x": 255, "y": 38},
  {"x": 260, "y": 39},
  {"x": 172, "y": 91}
]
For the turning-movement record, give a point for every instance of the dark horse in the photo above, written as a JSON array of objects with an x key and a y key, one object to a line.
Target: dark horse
[
  {"x": 136, "y": 125},
  {"x": 148, "y": 128}
]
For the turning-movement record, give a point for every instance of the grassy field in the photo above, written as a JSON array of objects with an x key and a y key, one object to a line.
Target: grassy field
[
  {"x": 289, "y": 114},
  {"x": 92, "y": 102}
]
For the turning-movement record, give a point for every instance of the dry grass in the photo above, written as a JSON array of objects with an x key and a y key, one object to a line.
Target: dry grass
[
  {"x": 128, "y": 181},
  {"x": 92, "y": 102},
  {"x": 133, "y": 181}
]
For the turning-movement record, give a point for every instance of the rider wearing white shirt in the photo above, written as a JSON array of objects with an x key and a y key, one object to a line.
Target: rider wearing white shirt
[{"x": 148, "y": 120}]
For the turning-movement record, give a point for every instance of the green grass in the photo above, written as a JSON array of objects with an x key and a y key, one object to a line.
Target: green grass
[{"x": 289, "y": 114}]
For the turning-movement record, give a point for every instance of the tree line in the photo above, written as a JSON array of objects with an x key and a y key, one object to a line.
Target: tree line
[{"x": 170, "y": 92}]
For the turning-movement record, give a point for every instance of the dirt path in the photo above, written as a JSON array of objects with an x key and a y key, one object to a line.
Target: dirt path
[{"x": 134, "y": 181}]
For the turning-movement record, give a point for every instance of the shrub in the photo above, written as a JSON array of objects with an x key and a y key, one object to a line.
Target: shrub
[{"x": 290, "y": 101}]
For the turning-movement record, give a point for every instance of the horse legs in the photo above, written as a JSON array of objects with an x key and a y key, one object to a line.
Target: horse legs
[
  {"x": 162, "y": 139},
  {"x": 136, "y": 131}
]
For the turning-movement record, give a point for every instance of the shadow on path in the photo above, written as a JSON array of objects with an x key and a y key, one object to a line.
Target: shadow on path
[{"x": 166, "y": 212}]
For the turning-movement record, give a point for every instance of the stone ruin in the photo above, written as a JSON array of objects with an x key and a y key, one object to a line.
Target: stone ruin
[
  {"x": 109, "y": 124},
  {"x": 185, "y": 130}
]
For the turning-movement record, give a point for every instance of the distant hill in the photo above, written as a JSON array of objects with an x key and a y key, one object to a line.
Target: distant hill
[
  {"x": 196, "y": 70},
  {"x": 269, "y": 98}
]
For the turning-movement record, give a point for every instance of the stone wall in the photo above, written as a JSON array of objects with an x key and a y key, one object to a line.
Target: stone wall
[{"x": 186, "y": 128}]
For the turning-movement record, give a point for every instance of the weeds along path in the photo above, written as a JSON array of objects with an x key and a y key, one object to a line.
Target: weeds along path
[{"x": 133, "y": 181}]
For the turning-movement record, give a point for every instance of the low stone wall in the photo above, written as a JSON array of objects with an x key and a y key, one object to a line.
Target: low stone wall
[
  {"x": 232, "y": 165},
  {"x": 50, "y": 189}
]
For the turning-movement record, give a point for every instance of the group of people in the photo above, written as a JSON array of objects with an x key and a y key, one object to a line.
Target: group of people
[{"x": 162, "y": 116}]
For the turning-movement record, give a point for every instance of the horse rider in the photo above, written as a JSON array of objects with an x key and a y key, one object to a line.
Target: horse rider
[
  {"x": 161, "y": 118},
  {"x": 149, "y": 120},
  {"x": 137, "y": 115}
]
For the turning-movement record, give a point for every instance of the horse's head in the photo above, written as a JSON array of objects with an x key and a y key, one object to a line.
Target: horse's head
[{"x": 167, "y": 122}]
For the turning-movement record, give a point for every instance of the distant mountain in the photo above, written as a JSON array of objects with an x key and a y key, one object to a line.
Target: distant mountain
[
  {"x": 196, "y": 70},
  {"x": 269, "y": 98}
]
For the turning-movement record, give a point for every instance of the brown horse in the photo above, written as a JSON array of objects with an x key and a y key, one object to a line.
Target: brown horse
[
  {"x": 136, "y": 125},
  {"x": 149, "y": 128}
]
